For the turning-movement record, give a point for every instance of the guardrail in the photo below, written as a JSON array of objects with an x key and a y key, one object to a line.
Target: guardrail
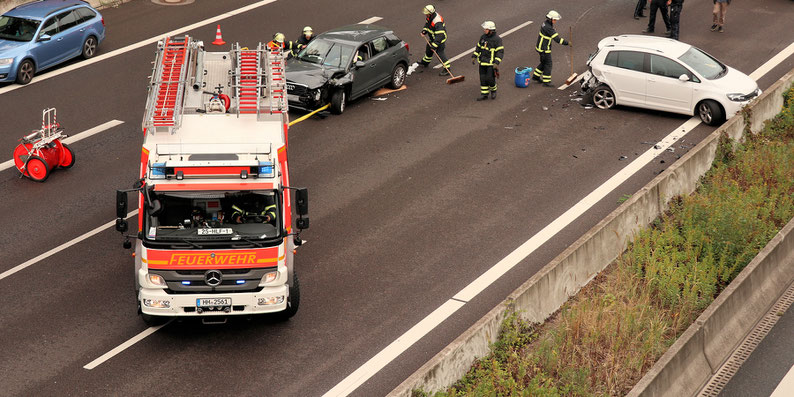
[{"x": 700, "y": 351}]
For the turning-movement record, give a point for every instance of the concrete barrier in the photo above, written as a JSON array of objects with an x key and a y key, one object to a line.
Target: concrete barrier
[{"x": 704, "y": 346}]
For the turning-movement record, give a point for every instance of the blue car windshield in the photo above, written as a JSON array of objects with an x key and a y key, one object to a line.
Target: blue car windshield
[
  {"x": 17, "y": 29},
  {"x": 327, "y": 53}
]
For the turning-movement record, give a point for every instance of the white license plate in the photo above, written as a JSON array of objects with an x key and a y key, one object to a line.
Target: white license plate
[
  {"x": 214, "y": 232},
  {"x": 205, "y": 302}
]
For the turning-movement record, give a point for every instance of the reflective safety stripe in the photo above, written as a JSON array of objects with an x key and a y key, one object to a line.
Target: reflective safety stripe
[
  {"x": 493, "y": 89},
  {"x": 484, "y": 89},
  {"x": 493, "y": 55},
  {"x": 427, "y": 59}
]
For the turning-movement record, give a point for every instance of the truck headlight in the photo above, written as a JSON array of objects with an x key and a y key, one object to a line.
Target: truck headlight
[
  {"x": 156, "y": 279},
  {"x": 157, "y": 303},
  {"x": 268, "y": 278},
  {"x": 6, "y": 61}
]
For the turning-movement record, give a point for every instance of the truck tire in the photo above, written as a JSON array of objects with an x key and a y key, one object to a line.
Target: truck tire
[
  {"x": 338, "y": 101},
  {"x": 294, "y": 299},
  {"x": 149, "y": 319}
]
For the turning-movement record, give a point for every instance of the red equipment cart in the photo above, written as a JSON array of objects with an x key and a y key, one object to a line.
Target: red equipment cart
[{"x": 42, "y": 150}]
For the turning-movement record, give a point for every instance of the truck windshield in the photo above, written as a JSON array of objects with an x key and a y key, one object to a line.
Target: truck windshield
[{"x": 215, "y": 216}]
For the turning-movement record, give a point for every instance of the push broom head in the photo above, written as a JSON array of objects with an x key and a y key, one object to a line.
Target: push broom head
[{"x": 455, "y": 79}]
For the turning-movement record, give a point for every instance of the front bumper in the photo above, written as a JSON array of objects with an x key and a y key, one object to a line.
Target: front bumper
[
  {"x": 8, "y": 73},
  {"x": 241, "y": 303},
  {"x": 732, "y": 107}
]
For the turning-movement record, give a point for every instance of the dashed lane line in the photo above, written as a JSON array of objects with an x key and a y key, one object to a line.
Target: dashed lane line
[
  {"x": 429, "y": 323},
  {"x": 135, "y": 46},
  {"x": 74, "y": 138},
  {"x": 470, "y": 50},
  {"x": 120, "y": 348},
  {"x": 62, "y": 247}
]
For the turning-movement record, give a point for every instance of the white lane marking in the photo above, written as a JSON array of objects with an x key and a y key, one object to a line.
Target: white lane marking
[
  {"x": 102, "y": 57},
  {"x": 370, "y": 20},
  {"x": 774, "y": 61},
  {"x": 469, "y": 51},
  {"x": 401, "y": 344},
  {"x": 120, "y": 348},
  {"x": 74, "y": 138},
  {"x": 394, "y": 349},
  {"x": 61, "y": 247},
  {"x": 786, "y": 386}
]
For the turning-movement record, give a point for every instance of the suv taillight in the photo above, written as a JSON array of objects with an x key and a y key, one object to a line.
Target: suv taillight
[
  {"x": 103, "y": 22},
  {"x": 406, "y": 47}
]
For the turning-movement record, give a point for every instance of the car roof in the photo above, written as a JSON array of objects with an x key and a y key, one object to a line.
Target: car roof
[
  {"x": 355, "y": 33},
  {"x": 654, "y": 44},
  {"x": 42, "y": 8}
]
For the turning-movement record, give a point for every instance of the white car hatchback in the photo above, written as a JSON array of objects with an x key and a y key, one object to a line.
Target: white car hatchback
[{"x": 665, "y": 74}]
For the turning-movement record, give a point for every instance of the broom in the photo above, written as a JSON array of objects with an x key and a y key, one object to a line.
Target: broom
[
  {"x": 573, "y": 75},
  {"x": 452, "y": 80}
]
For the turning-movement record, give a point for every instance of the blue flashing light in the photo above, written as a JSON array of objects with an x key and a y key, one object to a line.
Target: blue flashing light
[
  {"x": 186, "y": 282},
  {"x": 266, "y": 169},
  {"x": 240, "y": 281}
]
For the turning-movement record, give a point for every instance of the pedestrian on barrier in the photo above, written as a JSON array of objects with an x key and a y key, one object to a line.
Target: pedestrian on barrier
[
  {"x": 661, "y": 6},
  {"x": 638, "y": 9},
  {"x": 488, "y": 54},
  {"x": 435, "y": 33},
  {"x": 675, "y": 17},
  {"x": 543, "y": 47},
  {"x": 720, "y": 9}
]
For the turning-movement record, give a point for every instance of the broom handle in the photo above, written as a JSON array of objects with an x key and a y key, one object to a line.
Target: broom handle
[{"x": 570, "y": 35}]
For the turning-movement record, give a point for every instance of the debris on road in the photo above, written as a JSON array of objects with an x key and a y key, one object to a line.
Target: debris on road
[
  {"x": 378, "y": 99},
  {"x": 545, "y": 108},
  {"x": 622, "y": 158},
  {"x": 587, "y": 106}
]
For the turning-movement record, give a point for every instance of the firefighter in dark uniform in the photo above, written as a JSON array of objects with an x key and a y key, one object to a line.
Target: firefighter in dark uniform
[
  {"x": 543, "y": 47},
  {"x": 675, "y": 16},
  {"x": 435, "y": 32},
  {"x": 303, "y": 41},
  {"x": 488, "y": 54}
]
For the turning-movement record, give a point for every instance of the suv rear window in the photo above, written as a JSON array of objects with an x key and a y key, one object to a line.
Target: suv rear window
[{"x": 632, "y": 60}]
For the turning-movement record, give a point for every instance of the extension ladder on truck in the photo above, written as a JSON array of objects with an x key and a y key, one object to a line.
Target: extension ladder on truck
[
  {"x": 248, "y": 79},
  {"x": 277, "y": 80},
  {"x": 168, "y": 78}
]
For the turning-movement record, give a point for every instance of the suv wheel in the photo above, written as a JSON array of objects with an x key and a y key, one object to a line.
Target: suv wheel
[
  {"x": 397, "y": 76},
  {"x": 338, "y": 101}
]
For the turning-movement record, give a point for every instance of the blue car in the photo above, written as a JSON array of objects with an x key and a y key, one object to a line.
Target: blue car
[{"x": 41, "y": 34}]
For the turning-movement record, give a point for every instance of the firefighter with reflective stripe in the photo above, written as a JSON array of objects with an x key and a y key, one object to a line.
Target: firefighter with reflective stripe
[
  {"x": 488, "y": 53},
  {"x": 306, "y": 37},
  {"x": 436, "y": 33},
  {"x": 543, "y": 47},
  {"x": 267, "y": 215},
  {"x": 279, "y": 42}
]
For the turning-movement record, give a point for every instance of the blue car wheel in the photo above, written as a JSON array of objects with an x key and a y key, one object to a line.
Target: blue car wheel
[
  {"x": 89, "y": 47},
  {"x": 25, "y": 72}
]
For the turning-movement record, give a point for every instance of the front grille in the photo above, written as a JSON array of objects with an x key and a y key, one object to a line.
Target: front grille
[
  {"x": 297, "y": 89},
  {"x": 193, "y": 281}
]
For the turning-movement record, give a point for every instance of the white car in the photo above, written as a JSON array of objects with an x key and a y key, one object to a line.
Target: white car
[{"x": 665, "y": 74}]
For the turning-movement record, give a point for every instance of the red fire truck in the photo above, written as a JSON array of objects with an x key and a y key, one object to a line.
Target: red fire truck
[{"x": 215, "y": 208}]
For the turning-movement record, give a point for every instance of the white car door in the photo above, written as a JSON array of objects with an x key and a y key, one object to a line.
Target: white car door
[
  {"x": 665, "y": 90},
  {"x": 624, "y": 73}
]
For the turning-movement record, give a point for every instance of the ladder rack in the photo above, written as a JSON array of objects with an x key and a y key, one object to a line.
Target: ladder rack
[
  {"x": 248, "y": 79},
  {"x": 277, "y": 80},
  {"x": 168, "y": 83}
]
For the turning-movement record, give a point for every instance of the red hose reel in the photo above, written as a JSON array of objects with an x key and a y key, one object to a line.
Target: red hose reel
[{"x": 42, "y": 151}]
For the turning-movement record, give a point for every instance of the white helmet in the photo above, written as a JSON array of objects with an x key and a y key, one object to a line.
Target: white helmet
[
  {"x": 429, "y": 9},
  {"x": 553, "y": 15},
  {"x": 489, "y": 25},
  {"x": 308, "y": 29}
]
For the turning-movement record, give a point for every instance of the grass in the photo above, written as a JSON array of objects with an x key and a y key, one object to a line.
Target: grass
[{"x": 602, "y": 341}]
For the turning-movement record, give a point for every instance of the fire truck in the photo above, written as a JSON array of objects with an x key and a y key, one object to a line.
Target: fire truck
[{"x": 216, "y": 210}]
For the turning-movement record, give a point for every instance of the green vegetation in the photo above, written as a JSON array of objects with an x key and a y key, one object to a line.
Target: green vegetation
[{"x": 602, "y": 341}]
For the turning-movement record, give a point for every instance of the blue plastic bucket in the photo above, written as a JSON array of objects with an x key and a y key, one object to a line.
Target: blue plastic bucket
[{"x": 523, "y": 74}]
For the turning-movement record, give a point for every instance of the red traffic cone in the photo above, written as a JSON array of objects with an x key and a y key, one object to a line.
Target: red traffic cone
[{"x": 218, "y": 38}]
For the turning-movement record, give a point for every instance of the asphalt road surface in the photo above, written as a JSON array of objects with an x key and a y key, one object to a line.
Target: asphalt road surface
[{"x": 411, "y": 198}]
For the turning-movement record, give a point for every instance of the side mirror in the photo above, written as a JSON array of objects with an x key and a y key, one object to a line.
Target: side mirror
[
  {"x": 302, "y": 223},
  {"x": 121, "y": 225},
  {"x": 683, "y": 77},
  {"x": 302, "y": 201},
  {"x": 121, "y": 204},
  {"x": 45, "y": 37},
  {"x": 359, "y": 64}
]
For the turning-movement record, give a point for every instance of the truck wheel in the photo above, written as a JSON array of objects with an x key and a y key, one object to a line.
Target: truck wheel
[
  {"x": 338, "y": 101},
  {"x": 397, "y": 76},
  {"x": 149, "y": 319},
  {"x": 294, "y": 299}
]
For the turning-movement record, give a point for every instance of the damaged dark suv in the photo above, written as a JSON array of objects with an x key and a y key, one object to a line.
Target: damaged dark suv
[{"x": 344, "y": 64}]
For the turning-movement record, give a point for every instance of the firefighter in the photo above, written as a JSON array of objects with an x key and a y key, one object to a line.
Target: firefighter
[
  {"x": 279, "y": 42},
  {"x": 306, "y": 37},
  {"x": 488, "y": 54},
  {"x": 435, "y": 32},
  {"x": 267, "y": 215},
  {"x": 543, "y": 47}
]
